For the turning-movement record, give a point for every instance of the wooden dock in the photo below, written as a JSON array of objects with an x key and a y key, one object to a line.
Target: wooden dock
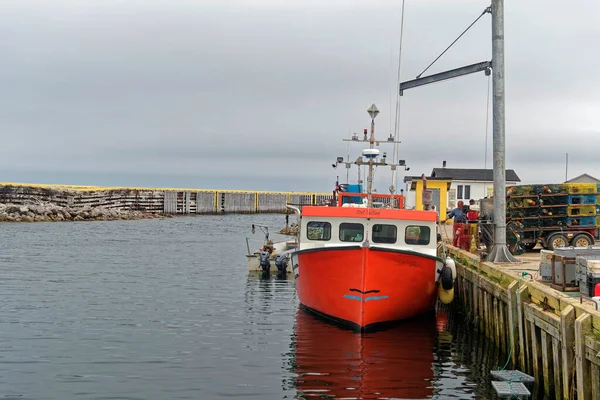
[
  {"x": 158, "y": 200},
  {"x": 552, "y": 335}
]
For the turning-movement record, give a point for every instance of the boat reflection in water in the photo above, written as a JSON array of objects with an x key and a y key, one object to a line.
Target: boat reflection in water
[{"x": 333, "y": 361}]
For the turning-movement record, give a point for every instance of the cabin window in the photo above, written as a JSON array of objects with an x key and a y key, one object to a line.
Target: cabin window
[
  {"x": 318, "y": 230},
  {"x": 415, "y": 234},
  {"x": 385, "y": 233},
  {"x": 350, "y": 232}
]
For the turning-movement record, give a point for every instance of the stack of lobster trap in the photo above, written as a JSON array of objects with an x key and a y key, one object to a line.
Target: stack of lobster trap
[{"x": 554, "y": 215}]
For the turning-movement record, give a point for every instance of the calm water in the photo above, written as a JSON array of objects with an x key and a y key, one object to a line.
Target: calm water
[{"x": 166, "y": 309}]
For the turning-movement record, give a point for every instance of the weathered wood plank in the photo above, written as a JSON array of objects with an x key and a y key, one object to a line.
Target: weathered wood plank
[
  {"x": 521, "y": 297},
  {"x": 535, "y": 355},
  {"x": 547, "y": 371},
  {"x": 557, "y": 367},
  {"x": 567, "y": 343},
  {"x": 595, "y": 373},
  {"x": 583, "y": 325},
  {"x": 495, "y": 319}
]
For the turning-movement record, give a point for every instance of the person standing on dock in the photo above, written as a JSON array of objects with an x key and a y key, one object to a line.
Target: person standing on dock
[
  {"x": 460, "y": 223},
  {"x": 458, "y": 214}
]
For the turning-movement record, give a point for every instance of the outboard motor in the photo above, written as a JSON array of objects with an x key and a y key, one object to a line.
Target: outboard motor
[
  {"x": 265, "y": 262},
  {"x": 281, "y": 261}
]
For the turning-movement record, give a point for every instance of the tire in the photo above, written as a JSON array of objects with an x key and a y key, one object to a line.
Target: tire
[
  {"x": 446, "y": 278},
  {"x": 557, "y": 240},
  {"x": 581, "y": 240}
]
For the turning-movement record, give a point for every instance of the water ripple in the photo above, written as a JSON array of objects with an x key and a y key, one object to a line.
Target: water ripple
[{"x": 163, "y": 309}]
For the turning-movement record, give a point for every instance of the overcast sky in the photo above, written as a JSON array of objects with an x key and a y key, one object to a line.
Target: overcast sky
[{"x": 258, "y": 94}]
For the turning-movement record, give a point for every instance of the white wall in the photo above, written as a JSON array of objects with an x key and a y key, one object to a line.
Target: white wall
[{"x": 479, "y": 190}]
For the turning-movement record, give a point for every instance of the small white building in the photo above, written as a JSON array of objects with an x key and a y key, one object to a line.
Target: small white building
[
  {"x": 583, "y": 178},
  {"x": 470, "y": 184},
  {"x": 466, "y": 184}
]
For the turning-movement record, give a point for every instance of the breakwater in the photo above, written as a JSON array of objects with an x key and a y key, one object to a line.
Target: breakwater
[
  {"x": 106, "y": 202},
  {"x": 552, "y": 335}
]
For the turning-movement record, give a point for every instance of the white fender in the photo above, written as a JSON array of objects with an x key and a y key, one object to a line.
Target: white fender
[{"x": 450, "y": 263}]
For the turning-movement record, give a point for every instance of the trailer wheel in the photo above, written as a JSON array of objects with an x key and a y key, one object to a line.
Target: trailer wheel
[
  {"x": 581, "y": 240},
  {"x": 557, "y": 240}
]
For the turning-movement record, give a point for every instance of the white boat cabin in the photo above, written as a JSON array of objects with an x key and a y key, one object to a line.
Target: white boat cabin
[{"x": 417, "y": 236}]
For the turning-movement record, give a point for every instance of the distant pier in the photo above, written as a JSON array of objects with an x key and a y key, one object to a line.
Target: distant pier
[{"x": 157, "y": 200}]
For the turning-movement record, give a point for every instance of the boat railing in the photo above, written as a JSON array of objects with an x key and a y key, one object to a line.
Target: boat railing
[{"x": 385, "y": 200}]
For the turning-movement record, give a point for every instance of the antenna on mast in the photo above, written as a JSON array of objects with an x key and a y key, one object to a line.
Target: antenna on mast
[
  {"x": 373, "y": 112},
  {"x": 372, "y": 153}
]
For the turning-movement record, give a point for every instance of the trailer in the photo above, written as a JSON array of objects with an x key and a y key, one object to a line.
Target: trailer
[{"x": 554, "y": 215}]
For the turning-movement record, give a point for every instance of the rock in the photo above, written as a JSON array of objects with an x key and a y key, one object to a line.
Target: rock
[
  {"x": 53, "y": 212},
  {"x": 12, "y": 209}
]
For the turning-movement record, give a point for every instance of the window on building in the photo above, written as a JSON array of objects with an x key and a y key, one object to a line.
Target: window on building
[
  {"x": 467, "y": 191},
  {"x": 318, "y": 230},
  {"x": 459, "y": 192},
  {"x": 385, "y": 233},
  {"x": 415, "y": 234},
  {"x": 351, "y": 232}
]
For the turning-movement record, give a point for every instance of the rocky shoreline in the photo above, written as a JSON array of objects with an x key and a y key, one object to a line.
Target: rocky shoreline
[{"x": 55, "y": 213}]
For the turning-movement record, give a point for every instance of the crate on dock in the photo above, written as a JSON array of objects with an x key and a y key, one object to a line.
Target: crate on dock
[
  {"x": 582, "y": 199},
  {"x": 553, "y": 221},
  {"x": 523, "y": 212},
  {"x": 588, "y": 273},
  {"x": 582, "y": 188},
  {"x": 554, "y": 200},
  {"x": 531, "y": 202},
  {"x": 526, "y": 222},
  {"x": 546, "y": 265},
  {"x": 581, "y": 221},
  {"x": 550, "y": 211},
  {"x": 553, "y": 189},
  {"x": 583, "y": 210},
  {"x": 598, "y": 220},
  {"x": 521, "y": 190},
  {"x": 563, "y": 270}
]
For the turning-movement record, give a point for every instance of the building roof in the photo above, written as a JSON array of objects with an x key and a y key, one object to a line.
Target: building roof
[
  {"x": 414, "y": 179},
  {"x": 585, "y": 178},
  {"x": 429, "y": 178},
  {"x": 465, "y": 174}
]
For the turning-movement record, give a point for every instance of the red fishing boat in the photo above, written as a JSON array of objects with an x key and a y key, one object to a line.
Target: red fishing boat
[{"x": 364, "y": 265}]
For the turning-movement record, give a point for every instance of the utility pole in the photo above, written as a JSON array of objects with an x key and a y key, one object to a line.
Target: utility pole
[{"x": 499, "y": 253}]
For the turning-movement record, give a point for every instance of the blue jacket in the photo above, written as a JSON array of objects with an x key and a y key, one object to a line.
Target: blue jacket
[{"x": 458, "y": 215}]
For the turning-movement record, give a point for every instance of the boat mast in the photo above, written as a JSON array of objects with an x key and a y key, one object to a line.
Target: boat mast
[
  {"x": 373, "y": 112},
  {"x": 371, "y": 154}
]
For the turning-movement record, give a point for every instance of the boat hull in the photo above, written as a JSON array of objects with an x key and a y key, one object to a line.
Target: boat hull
[{"x": 364, "y": 287}]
